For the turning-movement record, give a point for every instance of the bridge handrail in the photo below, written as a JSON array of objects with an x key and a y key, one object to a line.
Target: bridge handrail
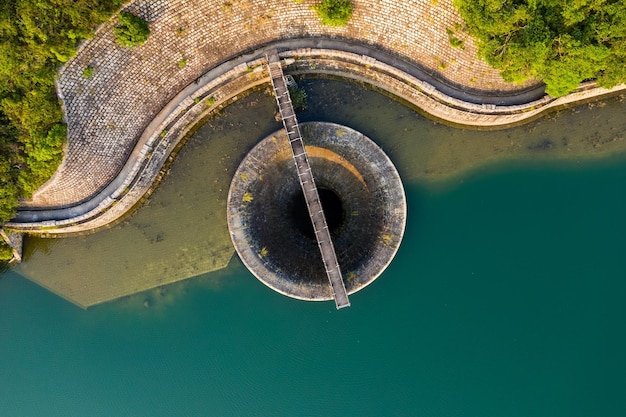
[{"x": 305, "y": 176}]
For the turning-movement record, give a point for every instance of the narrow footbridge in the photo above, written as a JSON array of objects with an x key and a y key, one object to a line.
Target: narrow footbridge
[{"x": 307, "y": 183}]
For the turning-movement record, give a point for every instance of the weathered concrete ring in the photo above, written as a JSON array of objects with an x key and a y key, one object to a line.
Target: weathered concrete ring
[{"x": 363, "y": 199}]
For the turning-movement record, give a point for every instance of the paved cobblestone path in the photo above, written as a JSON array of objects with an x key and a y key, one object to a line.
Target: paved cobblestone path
[{"x": 107, "y": 113}]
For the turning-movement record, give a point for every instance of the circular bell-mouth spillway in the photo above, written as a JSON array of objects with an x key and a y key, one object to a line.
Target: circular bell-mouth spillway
[{"x": 363, "y": 200}]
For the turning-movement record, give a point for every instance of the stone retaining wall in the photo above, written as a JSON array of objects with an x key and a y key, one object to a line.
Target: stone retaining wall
[
  {"x": 212, "y": 91},
  {"x": 107, "y": 113},
  {"x": 124, "y": 122}
]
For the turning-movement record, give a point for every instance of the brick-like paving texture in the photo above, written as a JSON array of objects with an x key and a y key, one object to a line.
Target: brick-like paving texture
[{"x": 106, "y": 114}]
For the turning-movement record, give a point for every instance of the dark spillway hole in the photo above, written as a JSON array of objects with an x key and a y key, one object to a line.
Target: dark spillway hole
[{"x": 333, "y": 210}]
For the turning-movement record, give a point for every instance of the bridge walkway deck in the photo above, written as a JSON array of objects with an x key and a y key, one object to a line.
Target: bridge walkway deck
[{"x": 309, "y": 189}]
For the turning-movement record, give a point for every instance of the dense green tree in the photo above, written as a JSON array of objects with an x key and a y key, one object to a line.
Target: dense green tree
[
  {"x": 10, "y": 164},
  {"x": 36, "y": 37},
  {"x": 560, "y": 42}
]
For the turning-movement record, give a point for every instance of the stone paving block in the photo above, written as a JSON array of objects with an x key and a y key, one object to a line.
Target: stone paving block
[{"x": 108, "y": 112}]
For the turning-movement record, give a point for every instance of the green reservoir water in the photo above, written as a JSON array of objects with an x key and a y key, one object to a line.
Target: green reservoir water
[{"x": 507, "y": 297}]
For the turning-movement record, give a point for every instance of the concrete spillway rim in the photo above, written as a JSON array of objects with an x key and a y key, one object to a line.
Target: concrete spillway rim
[{"x": 382, "y": 255}]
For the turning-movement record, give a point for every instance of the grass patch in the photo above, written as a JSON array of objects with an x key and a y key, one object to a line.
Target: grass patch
[{"x": 88, "y": 72}]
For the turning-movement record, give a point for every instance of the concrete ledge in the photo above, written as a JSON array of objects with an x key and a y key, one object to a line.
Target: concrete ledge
[
  {"x": 217, "y": 87},
  {"x": 429, "y": 97},
  {"x": 268, "y": 226}
]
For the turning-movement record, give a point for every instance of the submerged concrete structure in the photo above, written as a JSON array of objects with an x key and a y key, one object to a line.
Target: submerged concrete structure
[{"x": 362, "y": 196}]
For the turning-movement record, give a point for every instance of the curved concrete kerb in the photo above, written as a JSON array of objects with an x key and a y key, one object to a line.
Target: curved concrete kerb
[
  {"x": 225, "y": 82},
  {"x": 362, "y": 196}
]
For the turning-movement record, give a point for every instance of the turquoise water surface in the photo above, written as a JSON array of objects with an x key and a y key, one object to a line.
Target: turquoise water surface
[{"x": 507, "y": 299}]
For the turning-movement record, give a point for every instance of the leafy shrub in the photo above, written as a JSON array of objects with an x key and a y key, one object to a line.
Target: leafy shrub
[
  {"x": 298, "y": 98},
  {"x": 334, "y": 12},
  {"x": 88, "y": 72},
  {"x": 454, "y": 40},
  {"x": 132, "y": 30}
]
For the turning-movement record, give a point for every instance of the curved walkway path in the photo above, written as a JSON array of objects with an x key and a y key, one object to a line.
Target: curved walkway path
[{"x": 125, "y": 120}]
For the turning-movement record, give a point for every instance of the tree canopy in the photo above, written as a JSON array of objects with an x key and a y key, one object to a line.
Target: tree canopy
[
  {"x": 560, "y": 42},
  {"x": 132, "y": 31},
  {"x": 36, "y": 36}
]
